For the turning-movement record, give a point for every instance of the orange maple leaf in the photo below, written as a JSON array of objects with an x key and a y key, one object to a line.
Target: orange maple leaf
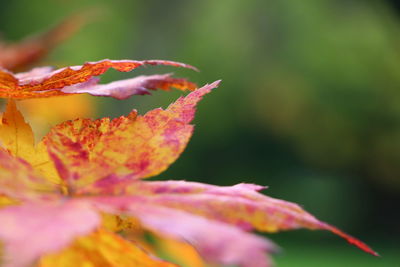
[{"x": 46, "y": 82}]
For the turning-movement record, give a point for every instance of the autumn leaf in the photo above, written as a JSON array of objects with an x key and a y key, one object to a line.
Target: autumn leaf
[
  {"x": 103, "y": 177},
  {"x": 140, "y": 85},
  {"x": 102, "y": 248},
  {"x": 4, "y": 202},
  {"x": 17, "y": 55},
  {"x": 45, "y": 82},
  {"x": 217, "y": 242},
  {"x": 33, "y": 229},
  {"x": 180, "y": 251},
  {"x": 20, "y": 181},
  {"x": 15, "y": 134},
  {"x": 86, "y": 150},
  {"x": 240, "y": 205},
  {"x": 17, "y": 138}
]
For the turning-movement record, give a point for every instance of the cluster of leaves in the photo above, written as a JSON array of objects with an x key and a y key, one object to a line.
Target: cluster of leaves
[{"x": 78, "y": 198}]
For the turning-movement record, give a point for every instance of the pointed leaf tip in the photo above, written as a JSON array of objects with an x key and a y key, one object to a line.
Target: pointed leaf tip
[{"x": 353, "y": 241}]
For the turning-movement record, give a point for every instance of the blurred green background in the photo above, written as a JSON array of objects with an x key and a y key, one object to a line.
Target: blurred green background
[{"x": 309, "y": 104}]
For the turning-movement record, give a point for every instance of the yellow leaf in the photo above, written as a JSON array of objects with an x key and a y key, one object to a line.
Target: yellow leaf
[
  {"x": 102, "y": 248},
  {"x": 116, "y": 223},
  {"x": 45, "y": 166},
  {"x": 180, "y": 252},
  {"x": 17, "y": 137},
  {"x": 6, "y": 201},
  {"x": 15, "y": 134}
]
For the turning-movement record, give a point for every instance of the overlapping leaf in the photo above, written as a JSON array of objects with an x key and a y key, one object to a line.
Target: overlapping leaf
[
  {"x": 136, "y": 86},
  {"x": 180, "y": 252},
  {"x": 4, "y": 202},
  {"x": 240, "y": 205},
  {"x": 102, "y": 248},
  {"x": 44, "y": 82},
  {"x": 18, "y": 180},
  {"x": 100, "y": 163},
  {"x": 15, "y": 134},
  {"x": 217, "y": 242},
  {"x": 17, "y": 138},
  {"x": 34, "y": 229}
]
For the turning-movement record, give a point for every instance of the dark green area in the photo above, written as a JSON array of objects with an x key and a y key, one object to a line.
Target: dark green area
[{"x": 309, "y": 104}]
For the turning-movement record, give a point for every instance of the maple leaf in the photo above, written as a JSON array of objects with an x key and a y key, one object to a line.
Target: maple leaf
[
  {"x": 46, "y": 82},
  {"x": 86, "y": 150},
  {"x": 18, "y": 55},
  {"x": 100, "y": 164}
]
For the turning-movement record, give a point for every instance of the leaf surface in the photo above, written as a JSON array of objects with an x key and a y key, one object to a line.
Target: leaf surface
[
  {"x": 100, "y": 163},
  {"x": 34, "y": 229},
  {"x": 18, "y": 180},
  {"x": 134, "y": 146},
  {"x": 140, "y": 85},
  {"x": 16, "y": 136},
  {"x": 4, "y": 202},
  {"x": 102, "y": 248},
  {"x": 180, "y": 251},
  {"x": 240, "y": 205},
  {"x": 46, "y": 83},
  {"x": 217, "y": 242}
]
